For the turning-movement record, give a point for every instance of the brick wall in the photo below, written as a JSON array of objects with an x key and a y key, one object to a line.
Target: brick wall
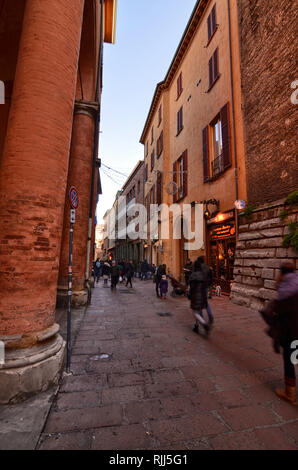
[
  {"x": 259, "y": 255},
  {"x": 268, "y": 67}
]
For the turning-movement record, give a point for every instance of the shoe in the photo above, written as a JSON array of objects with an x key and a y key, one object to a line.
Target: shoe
[
  {"x": 211, "y": 320},
  {"x": 289, "y": 393},
  {"x": 207, "y": 329},
  {"x": 196, "y": 329}
]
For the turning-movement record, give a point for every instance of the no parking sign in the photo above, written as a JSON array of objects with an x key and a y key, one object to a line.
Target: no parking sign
[{"x": 73, "y": 197}]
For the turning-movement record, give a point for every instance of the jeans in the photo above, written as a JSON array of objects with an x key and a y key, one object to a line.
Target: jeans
[{"x": 210, "y": 315}]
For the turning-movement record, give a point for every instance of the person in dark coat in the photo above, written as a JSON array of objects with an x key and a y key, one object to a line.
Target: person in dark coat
[
  {"x": 163, "y": 285},
  {"x": 208, "y": 275},
  {"x": 114, "y": 275},
  {"x": 129, "y": 272},
  {"x": 198, "y": 296},
  {"x": 144, "y": 270},
  {"x": 187, "y": 271},
  {"x": 286, "y": 309},
  {"x": 161, "y": 271},
  {"x": 106, "y": 271}
]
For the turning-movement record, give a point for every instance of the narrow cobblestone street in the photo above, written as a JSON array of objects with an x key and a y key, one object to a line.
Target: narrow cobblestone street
[{"x": 165, "y": 387}]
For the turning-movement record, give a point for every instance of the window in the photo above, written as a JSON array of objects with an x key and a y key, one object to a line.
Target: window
[
  {"x": 180, "y": 176},
  {"x": 217, "y": 146},
  {"x": 180, "y": 120},
  {"x": 213, "y": 69},
  {"x": 139, "y": 186},
  {"x": 146, "y": 173},
  {"x": 179, "y": 85},
  {"x": 159, "y": 145},
  {"x": 211, "y": 23},
  {"x": 152, "y": 135},
  {"x": 152, "y": 160},
  {"x": 159, "y": 115},
  {"x": 147, "y": 148}
]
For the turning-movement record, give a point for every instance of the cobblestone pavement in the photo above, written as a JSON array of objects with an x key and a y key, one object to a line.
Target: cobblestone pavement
[{"x": 165, "y": 387}]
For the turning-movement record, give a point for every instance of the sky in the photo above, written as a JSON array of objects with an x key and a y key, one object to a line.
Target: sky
[{"x": 148, "y": 33}]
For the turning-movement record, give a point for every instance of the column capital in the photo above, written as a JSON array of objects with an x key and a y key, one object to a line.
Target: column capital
[{"x": 90, "y": 108}]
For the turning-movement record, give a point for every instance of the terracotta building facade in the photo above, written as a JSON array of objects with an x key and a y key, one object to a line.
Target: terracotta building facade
[
  {"x": 203, "y": 159},
  {"x": 50, "y": 64}
]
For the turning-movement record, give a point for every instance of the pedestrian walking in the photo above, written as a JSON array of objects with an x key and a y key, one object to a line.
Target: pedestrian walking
[
  {"x": 164, "y": 285},
  {"x": 284, "y": 327},
  {"x": 106, "y": 271},
  {"x": 97, "y": 270},
  {"x": 144, "y": 270},
  {"x": 115, "y": 274},
  {"x": 161, "y": 270},
  {"x": 208, "y": 276},
  {"x": 129, "y": 272},
  {"x": 187, "y": 271},
  {"x": 198, "y": 296}
]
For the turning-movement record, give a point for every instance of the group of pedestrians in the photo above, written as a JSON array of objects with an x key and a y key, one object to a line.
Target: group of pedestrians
[
  {"x": 146, "y": 270},
  {"x": 115, "y": 271}
]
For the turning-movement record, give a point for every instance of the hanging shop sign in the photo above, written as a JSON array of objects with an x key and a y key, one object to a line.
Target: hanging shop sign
[{"x": 222, "y": 231}]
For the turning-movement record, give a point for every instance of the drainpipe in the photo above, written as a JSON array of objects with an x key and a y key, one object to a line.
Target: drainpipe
[
  {"x": 96, "y": 139},
  {"x": 233, "y": 117}
]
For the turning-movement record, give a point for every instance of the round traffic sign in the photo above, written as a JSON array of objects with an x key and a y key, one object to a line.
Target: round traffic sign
[{"x": 73, "y": 198}]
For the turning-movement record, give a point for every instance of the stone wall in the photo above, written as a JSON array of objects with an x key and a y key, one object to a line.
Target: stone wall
[{"x": 260, "y": 253}]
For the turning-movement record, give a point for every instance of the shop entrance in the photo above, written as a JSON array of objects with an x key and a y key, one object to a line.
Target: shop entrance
[{"x": 222, "y": 246}]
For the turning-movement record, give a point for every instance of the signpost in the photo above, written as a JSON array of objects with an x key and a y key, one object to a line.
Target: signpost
[{"x": 74, "y": 204}]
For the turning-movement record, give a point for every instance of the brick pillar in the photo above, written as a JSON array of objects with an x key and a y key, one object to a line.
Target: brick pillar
[
  {"x": 33, "y": 177},
  {"x": 79, "y": 176}
]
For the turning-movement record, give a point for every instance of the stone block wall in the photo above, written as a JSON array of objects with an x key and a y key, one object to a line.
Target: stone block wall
[{"x": 260, "y": 253}]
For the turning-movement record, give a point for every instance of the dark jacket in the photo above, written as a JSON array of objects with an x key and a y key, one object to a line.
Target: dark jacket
[
  {"x": 197, "y": 290},
  {"x": 286, "y": 307},
  {"x": 144, "y": 267},
  {"x": 115, "y": 271},
  {"x": 159, "y": 273},
  {"x": 208, "y": 274},
  {"x": 282, "y": 314},
  {"x": 129, "y": 270},
  {"x": 106, "y": 269},
  {"x": 163, "y": 286}
]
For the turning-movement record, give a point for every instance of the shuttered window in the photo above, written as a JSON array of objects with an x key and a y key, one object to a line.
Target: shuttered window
[
  {"x": 213, "y": 68},
  {"x": 152, "y": 160},
  {"x": 206, "y": 155},
  {"x": 175, "y": 181},
  {"x": 159, "y": 145},
  {"x": 180, "y": 176},
  {"x": 180, "y": 120},
  {"x": 217, "y": 153},
  {"x": 179, "y": 85},
  {"x": 184, "y": 176},
  {"x": 159, "y": 115},
  {"x": 146, "y": 173},
  {"x": 226, "y": 136},
  {"x": 159, "y": 188},
  {"x": 211, "y": 23}
]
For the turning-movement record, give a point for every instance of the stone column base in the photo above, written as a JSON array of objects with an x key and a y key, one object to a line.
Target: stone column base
[
  {"x": 78, "y": 298},
  {"x": 28, "y": 371}
]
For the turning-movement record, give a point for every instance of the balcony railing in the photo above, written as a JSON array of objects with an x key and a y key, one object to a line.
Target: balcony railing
[{"x": 217, "y": 166}]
